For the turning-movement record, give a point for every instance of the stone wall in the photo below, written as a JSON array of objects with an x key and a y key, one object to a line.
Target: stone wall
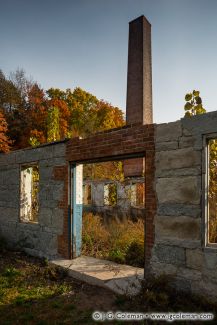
[
  {"x": 175, "y": 242},
  {"x": 179, "y": 248},
  {"x": 123, "y": 209},
  {"x": 40, "y": 238}
]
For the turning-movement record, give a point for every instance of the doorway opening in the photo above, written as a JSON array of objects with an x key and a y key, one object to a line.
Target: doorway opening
[{"x": 112, "y": 221}]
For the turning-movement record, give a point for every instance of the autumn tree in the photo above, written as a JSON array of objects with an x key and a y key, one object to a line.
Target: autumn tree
[
  {"x": 53, "y": 124},
  {"x": 29, "y": 111},
  {"x": 5, "y": 143},
  {"x": 29, "y": 120},
  {"x": 82, "y": 106},
  {"x": 38, "y": 111},
  {"x": 10, "y": 96},
  {"x": 82, "y": 114},
  {"x": 108, "y": 116},
  {"x": 21, "y": 82},
  {"x": 63, "y": 116}
]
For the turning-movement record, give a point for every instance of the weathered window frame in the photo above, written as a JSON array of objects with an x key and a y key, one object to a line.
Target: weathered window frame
[
  {"x": 205, "y": 191},
  {"x": 106, "y": 199},
  {"x": 22, "y": 217},
  {"x": 88, "y": 202},
  {"x": 134, "y": 203}
]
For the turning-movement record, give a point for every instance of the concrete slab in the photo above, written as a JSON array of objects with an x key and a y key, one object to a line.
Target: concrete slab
[{"x": 121, "y": 279}]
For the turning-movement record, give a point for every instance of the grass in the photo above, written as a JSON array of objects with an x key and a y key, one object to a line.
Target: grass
[
  {"x": 34, "y": 293},
  {"x": 119, "y": 242}
]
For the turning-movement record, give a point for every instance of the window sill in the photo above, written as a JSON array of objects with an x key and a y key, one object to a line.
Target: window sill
[
  {"x": 211, "y": 248},
  {"x": 29, "y": 222}
]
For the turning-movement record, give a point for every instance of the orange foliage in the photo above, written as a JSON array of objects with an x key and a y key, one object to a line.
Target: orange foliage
[
  {"x": 27, "y": 113},
  {"x": 39, "y": 135},
  {"x": 4, "y": 140}
]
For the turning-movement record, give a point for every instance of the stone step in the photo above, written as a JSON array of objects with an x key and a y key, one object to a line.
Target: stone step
[{"x": 121, "y": 279}]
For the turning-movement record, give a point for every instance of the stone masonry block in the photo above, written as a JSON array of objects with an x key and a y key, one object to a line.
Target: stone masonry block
[
  {"x": 174, "y": 159},
  {"x": 33, "y": 155},
  {"x": 200, "y": 124},
  {"x": 8, "y": 214},
  {"x": 164, "y": 146},
  {"x": 179, "y": 190},
  {"x": 170, "y": 254},
  {"x": 173, "y": 241},
  {"x": 189, "y": 274},
  {"x": 177, "y": 227},
  {"x": 186, "y": 142},
  {"x": 48, "y": 243},
  {"x": 194, "y": 259},
  {"x": 45, "y": 216},
  {"x": 59, "y": 150},
  {"x": 210, "y": 259},
  {"x": 49, "y": 203},
  {"x": 46, "y": 173},
  {"x": 179, "y": 172},
  {"x": 57, "y": 191},
  {"x": 168, "y": 209},
  {"x": 57, "y": 221},
  {"x": 10, "y": 196},
  {"x": 11, "y": 176},
  {"x": 59, "y": 161},
  {"x": 7, "y": 158},
  {"x": 168, "y": 132}
]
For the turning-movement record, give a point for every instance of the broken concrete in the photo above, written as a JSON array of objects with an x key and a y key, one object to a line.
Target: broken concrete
[{"x": 121, "y": 279}]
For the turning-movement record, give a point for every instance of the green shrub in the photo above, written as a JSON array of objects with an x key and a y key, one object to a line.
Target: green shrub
[
  {"x": 135, "y": 254},
  {"x": 117, "y": 256}
]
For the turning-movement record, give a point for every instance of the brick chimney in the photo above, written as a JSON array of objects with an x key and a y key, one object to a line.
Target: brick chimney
[
  {"x": 139, "y": 84},
  {"x": 139, "y": 77}
]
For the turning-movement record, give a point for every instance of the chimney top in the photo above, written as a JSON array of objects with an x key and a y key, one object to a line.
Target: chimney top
[{"x": 142, "y": 17}]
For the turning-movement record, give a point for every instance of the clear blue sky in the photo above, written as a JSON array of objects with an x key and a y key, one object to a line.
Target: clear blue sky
[{"x": 71, "y": 43}]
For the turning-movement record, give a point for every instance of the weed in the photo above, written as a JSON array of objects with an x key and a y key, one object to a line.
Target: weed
[
  {"x": 44, "y": 262},
  {"x": 56, "y": 304},
  {"x": 11, "y": 272},
  {"x": 42, "y": 322},
  {"x": 27, "y": 316},
  {"x": 70, "y": 307},
  {"x": 135, "y": 254},
  {"x": 117, "y": 256},
  {"x": 50, "y": 273},
  {"x": 20, "y": 300}
]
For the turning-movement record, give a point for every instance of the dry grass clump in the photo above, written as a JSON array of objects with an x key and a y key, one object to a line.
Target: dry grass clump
[{"x": 120, "y": 242}]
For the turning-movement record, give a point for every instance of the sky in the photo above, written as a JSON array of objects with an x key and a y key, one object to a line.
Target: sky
[{"x": 71, "y": 43}]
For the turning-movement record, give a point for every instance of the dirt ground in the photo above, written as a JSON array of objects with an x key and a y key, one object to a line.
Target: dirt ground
[{"x": 33, "y": 292}]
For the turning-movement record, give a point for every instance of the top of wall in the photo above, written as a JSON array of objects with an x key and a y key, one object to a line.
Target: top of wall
[
  {"x": 28, "y": 155},
  {"x": 198, "y": 124}
]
